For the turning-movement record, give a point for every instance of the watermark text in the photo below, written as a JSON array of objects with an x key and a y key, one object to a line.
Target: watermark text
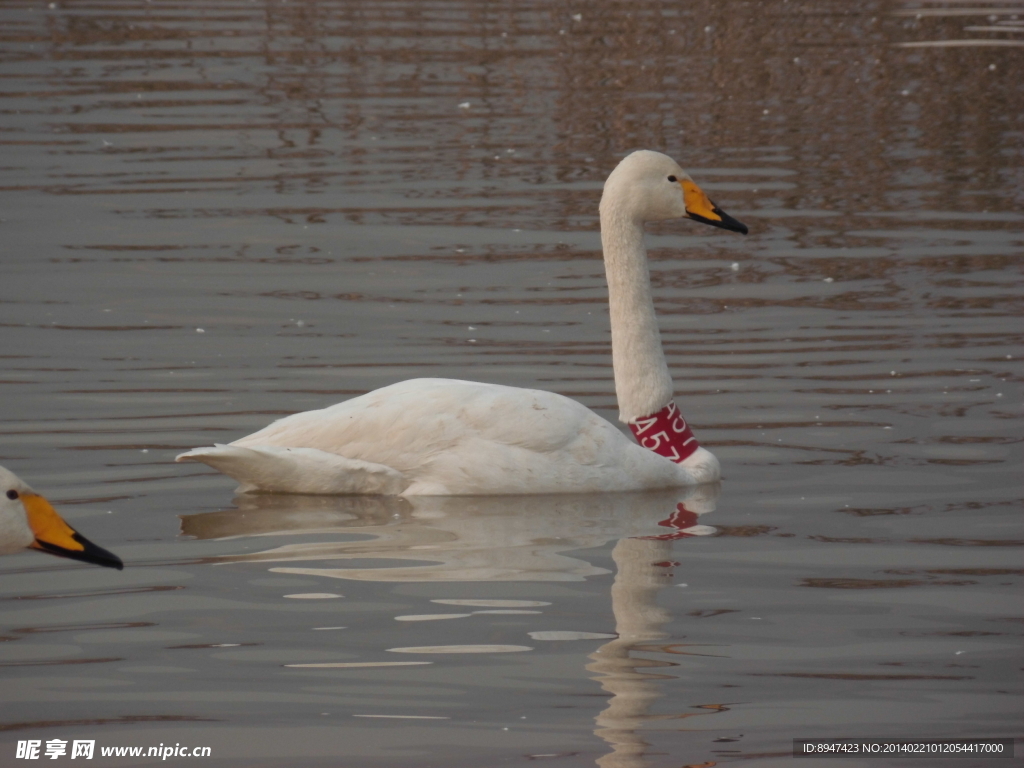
[{"x": 85, "y": 749}]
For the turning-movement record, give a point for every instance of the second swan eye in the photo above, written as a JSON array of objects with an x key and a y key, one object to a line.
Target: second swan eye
[
  {"x": 12, "y": 495},
  {"x": 673, "y": 178}
]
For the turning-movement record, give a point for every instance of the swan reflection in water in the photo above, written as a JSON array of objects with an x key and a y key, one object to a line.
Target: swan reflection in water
[{"x": 505, "y": 538}]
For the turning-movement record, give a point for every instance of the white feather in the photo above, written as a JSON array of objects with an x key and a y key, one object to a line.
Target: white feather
[{"x": 15, "y": 532}]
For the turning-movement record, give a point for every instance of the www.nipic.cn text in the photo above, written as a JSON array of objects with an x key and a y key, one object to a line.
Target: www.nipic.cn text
[{"x": 35, "y": 749}]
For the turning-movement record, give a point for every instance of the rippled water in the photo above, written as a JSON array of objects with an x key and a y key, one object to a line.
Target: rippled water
[{"x": 214, "y": 214}]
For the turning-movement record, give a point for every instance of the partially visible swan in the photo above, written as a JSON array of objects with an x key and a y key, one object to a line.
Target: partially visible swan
[
  {"x": 27, "y": 520},
  {"x": 447, "y": 437}
]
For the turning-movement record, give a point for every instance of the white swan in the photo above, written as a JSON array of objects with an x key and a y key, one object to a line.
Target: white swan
[
  {"x": 447, "y": 437},
  {"x": 27, "y": 520}
]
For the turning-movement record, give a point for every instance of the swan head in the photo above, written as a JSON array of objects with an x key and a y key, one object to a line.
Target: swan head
[
  {"x": 28, "y": 521},
  {"x": 650, "y": 186}
]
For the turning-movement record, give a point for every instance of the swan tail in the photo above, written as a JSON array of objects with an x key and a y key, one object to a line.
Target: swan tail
[{"x": 275, "y": 469}]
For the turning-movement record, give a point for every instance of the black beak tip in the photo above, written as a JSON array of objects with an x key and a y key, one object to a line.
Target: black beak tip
[
  {"x": 90, "y": 553},
  {"x": 728, "y": 222},
  {"x": 101, "y": 556},
  {"x": 724, "y": 221}
]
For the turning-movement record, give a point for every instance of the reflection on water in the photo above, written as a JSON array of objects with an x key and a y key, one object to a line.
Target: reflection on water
[
  {"x": 217, "y": 214},
  {"x": 474, "y": 538},
  {"x": 494, "y": 539},
  {"x": 632, "y": 682}
]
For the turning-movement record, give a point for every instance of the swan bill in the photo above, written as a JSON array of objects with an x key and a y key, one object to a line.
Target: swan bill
[
  {"x": 700, "y": 207},
  {"x": 55, "y": 536}
]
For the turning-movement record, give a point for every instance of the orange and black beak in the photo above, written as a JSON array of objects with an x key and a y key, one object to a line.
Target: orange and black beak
[
  {"x": 55, "y": 536},
  {"x": 699, "y": 207}
]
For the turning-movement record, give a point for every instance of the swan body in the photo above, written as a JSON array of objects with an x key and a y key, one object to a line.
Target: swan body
[
  {"x": 443, "y": 437},
  {"x": 29, "y": 521}
]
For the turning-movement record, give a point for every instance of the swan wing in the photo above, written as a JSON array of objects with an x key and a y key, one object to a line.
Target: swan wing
[
  {"x": 402, "y": 424},
  {"x": 446, "y": 437},
  {"x": 298, "y": 470}
]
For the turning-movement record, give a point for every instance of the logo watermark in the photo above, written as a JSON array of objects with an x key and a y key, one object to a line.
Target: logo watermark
[{"x": 53, "y": 749}]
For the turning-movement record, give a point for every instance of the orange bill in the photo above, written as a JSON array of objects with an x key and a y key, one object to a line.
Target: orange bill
[
  {"x": 700, "y": 207},
  {"x": 55, "y": 536}
]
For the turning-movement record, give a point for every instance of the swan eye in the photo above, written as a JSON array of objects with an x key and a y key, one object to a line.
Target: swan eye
[
  {"x": 673, "y": 179},
  {"x": 12, "y": 495}
]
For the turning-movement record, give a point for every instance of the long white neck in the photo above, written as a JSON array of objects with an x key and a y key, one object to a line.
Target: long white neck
[{"x": 642, "y": 382}]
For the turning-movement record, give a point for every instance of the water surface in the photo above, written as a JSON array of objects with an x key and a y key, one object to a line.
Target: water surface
[{"x": 215, "y": 214}]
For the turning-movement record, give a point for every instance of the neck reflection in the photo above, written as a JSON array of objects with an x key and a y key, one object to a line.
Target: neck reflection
[{"x": 513, "y": 538}]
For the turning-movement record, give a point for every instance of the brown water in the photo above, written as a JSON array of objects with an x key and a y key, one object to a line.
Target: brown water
[{"x": 217, "y": 213}]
